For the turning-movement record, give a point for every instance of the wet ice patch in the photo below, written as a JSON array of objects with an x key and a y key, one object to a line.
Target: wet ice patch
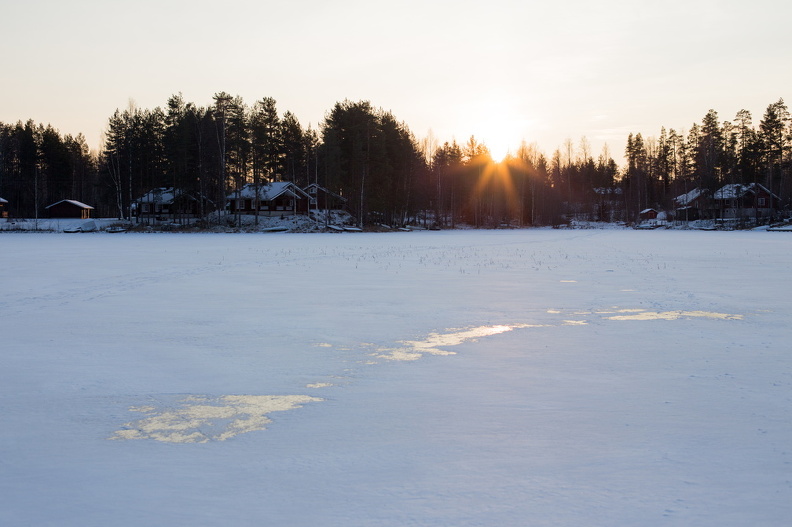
[
  {"x": 675, "y": 315},
  {"x": 435, "y": 342},
  {"x": 319, "y": 385},
  {"x": 199, "y": 419}
]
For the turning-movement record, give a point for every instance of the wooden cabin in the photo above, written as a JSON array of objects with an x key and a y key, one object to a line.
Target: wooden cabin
[
  {"x": 69, "y": 208},
  {"x": 692, "y": 206},
  {"x": 280, "y": 198},
  {"x": 745, "y": 201},
  {"x": 166, "y": 204}
]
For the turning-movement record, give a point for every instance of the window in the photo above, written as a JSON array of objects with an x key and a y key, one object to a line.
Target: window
[{"x": 762, "y": 202}]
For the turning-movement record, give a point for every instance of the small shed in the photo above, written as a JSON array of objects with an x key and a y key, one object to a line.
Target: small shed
[
  {"x": 3, "y": 211},
  {"x": 69, "y": 208},
  {"x": 648, "y": 214}
]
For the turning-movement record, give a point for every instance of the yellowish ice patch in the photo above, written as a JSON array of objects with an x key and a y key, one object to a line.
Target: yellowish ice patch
[
  {"x": 675, "y": 315},
  {"x": 204, "y": 419}
]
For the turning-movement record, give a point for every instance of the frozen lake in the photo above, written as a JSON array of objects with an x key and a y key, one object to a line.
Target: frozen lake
[{"x": 466, "y": 378}]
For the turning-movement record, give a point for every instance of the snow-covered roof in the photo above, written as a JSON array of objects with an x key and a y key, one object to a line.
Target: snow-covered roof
[
  {"x": 73, "y": 202},
  {"x": 3, "y": 201},
  {"x": 736, "y": 190},
  {"x": 159, "y": 195},
  {"x": 647, "y": 210},
  {"x": 165, "y": 196},
  {"x": 686, "y": 199},
  {"x": 270, "y": 191},
  {"x": 605, "y": 191}
]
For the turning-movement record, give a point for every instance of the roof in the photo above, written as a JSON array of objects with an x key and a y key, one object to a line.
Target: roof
[
  {"x": 167, "y": 195},
  {"x": 737, "y": 190},
  {"x": 159, "y": 195},
  {"x": 270, "y": 191},
  {"x": 647, "y": 210},
  {"x": 3, "y": 201},
  {"x": 71, "y": 201},
  {"x": 606, "y": 191},
  {"x": 686, "y": 199}
]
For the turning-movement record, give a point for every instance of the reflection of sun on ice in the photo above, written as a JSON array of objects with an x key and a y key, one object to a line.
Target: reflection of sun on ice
[{"x": 415, "y": 349}]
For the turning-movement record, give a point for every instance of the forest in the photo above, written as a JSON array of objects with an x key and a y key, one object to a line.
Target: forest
[{"x": 385, "y": 173}]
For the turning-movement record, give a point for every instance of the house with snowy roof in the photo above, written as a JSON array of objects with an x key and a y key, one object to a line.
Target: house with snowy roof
[
  {"x": 692, "y": 205},
  {"x": 648, "y": 214},
  {"x": 69, "y": 208},
  {"x": 745, "y": 201},
  {"x": 166, "y": 203},
  {"x": 279, "y": 198},
  {"x": 3, "y": 211}
]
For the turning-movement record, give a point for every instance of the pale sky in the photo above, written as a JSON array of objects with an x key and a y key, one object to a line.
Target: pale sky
[{"x": 501, "y": 70}]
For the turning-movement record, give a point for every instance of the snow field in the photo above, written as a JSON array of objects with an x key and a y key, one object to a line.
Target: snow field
[{"x": 536, "y": 377}]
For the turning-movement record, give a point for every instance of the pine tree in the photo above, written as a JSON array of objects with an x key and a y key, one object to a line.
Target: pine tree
[{"x": 775, "y": 137}]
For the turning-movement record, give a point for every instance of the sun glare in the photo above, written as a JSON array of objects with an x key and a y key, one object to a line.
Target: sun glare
[
  {"x": 498, "y": 150},
  {"x": 498, "y": 136},
  {"x": 495, "y": 120}
]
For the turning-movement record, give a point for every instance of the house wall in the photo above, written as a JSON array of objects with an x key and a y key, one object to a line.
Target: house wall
[
  {"x": 744, "y": 212},
  {"x": 649, "y": 215},
  {"x": 277, "y": 207},
  {"x": 154, "y": 210}
]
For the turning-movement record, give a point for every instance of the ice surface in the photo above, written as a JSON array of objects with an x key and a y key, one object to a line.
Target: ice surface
[{"x": 536, "y": 377}]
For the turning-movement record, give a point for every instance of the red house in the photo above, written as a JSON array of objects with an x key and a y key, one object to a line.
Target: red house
[
  {"x": 648, "y": 214},
  {"x": 745, "y": 201},
  {"x": 279, "y": 198},
  {"x": 693, "y": 205}
]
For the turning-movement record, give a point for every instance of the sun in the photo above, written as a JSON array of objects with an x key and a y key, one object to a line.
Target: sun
[
  {"x": 499, "y": 149},
  {"x": 500, "y": 120},
  {"x": 497, "y": 133}
]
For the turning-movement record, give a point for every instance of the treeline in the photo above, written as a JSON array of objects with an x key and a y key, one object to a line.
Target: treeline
[
  {"x": 373, "y": 160},
  {"x": 38, "y": 167},
  {"x": 709, "y": 156}
]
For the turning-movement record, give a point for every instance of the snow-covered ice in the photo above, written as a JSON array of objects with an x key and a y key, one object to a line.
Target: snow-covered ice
[{"x": 487, "y": 378}]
